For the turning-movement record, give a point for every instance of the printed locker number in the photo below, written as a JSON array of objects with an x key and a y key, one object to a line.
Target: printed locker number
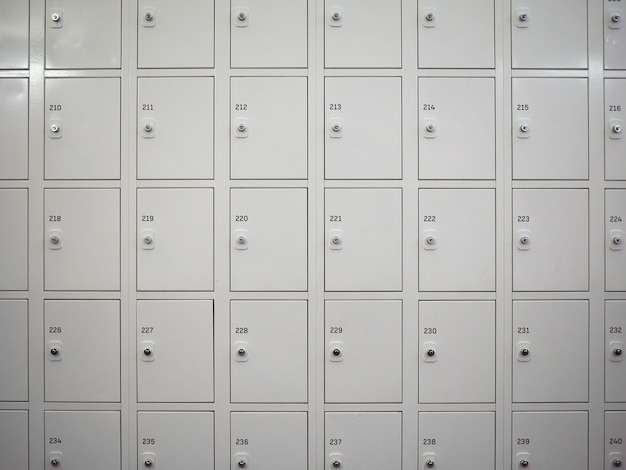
[
  {"x": 54, "y": 440},
  {"x": 54, "y": 218},
  {"x": 615, "y": 218},
  {"x": 523, "y": 107},
  {"x": 334, "y": 218},
  {"x": 523, "y": 330},
  {"x": 241, "y": 218},
  {"x": 615, "y": 107},
  {"x": 55, "y": 107},
  {"x": 615, "y": 441},
  {"x": 54, "y": 329},
  {"x": 147, "y": 218},
  {"x": 147, "y": 329},
  {"x": 523, "y": 218},
  {"x": 523, "y": 441},
  {"x": 429, "y": 107},
  {"x": 241, "y": 330},
  {"x": 430, "y": 331},
  {"x": 335, "y": 442},
  {"x": 429, "y": 442},
  {"x": 430, "y": 218},
  {"x": 241, "y": 107},
  {"x": 241, "y": 442},
  {"x": 147, "y": 107},
  {"x": 335, "y": 107},
  {"x": 336, "y": 330},
  {"x": 148, "y": 441},
  {"x": 615, "y": 329}
]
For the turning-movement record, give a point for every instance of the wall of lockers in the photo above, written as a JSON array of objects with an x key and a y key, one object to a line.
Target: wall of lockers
[{"x": 312, "y": 234}]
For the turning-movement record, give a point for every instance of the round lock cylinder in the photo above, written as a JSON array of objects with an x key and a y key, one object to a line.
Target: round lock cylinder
[
  {"x": 242, "y": 16},
  {"x": 525, "y": 352},
  {"x": 618, "y": 240},
  {"x": 242, "y": 464},
  {"x": 147, "y": 127},
  {"x": 616, "y": 18},
  {"x": 524, "y": 463},
  {"x": 54, "y": 239},
  {"x": 56, "y": 17},
  {"x": 523, "y": 17},
  {"x": 524, "y": 128},
  {"x": 430, "y": 352},
  {"x": 430, "y": 16},
  {"x": 336, "y": 16},
  {"x": 55, "y": 462},
  {"x": 616, "y": 128},
  {"x": 147, "y": 352},
  {"x": 618, "y": 352},
  {"x": 617, "y": 463},
  {"x": 430, "y": 463},
  {"x": 54, "y": 128},
  {"x": 54, "y": 351},
  {"x": 148, "y": 463},
  {"x": 336, "y": 464},
  {"x": 241, "y": 352},
  {"x": 336, "y": 352},
  {"x": 148, "y": 16}
]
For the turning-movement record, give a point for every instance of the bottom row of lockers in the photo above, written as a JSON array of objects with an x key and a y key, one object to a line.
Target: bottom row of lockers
[{"x": 279, "y": 440}]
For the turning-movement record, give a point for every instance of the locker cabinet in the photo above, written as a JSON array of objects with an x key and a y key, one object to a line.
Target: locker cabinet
[
  {"x": 544, "y": 368},
  {"x": 175, "y": 130},
  {"x": 550, "y": 129},
  {"x": 82, "y": 239},
  {"x": 457, "y": 235},
  {"x": 549, "y": 35},
  {"x": 615, "y": 228},
  {"x": 268, "y": 441},
  {"x": 76, "y": 440},
  {"x": 361, "y": 255},
  {"x": 614, "y": 36},
  {"x": 448, "y": 39},
  {"x": 456, "y": 367},
  {"x": 449, "y": 148},
  {"x": 14, "y": 239},
  {"x": 549, "y": 440},
  {"x": 363, "y": 440},
  {"x": 269, "y": 35},
  {"x": 348, "y": 38},
  {"x": 550, "y": 240},
  {"x": 363, "y": 138},
  {"x": 179, "y": 35},
  {"x": 615, "y": 340},
  {"x": 14, "y": 131},
  {"x": 267, "y": 365},
  {"x": 269, "y": 135},
  {"x": 175, "y": 346},
  {"x": 175, "y": 440},
  {"x": 174, "y": 246},
  {"x": 14, "y": 442},
  {"x": 614, "y": 121},
  {"x": 356, "y": 372},
  {"x": 14, "y": 351},
  {"x": 79, "y": 367},
  {"x": 14, "y": 31},
  {"x": 614, "y": 439},
  {"x": 83, "y": 34},
  {"x": 82, "y": 136},
  {"x": 269, "y": 228},
  {"x": 457, "y": 440}
]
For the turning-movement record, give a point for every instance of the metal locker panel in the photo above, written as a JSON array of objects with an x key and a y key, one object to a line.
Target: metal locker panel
[
  {"x": 550, "y": 129},
  {"x": 14, "y": 442},
  {"x": 82, "y": 439},
  {"x": 614, "y": 36},
  {"x": 175, "y": 35},
  {"x": 371, "y": 440},
  {"x": 82, "y": 239},
  {"x": 174, "y": 347},
  {"x": 614, "y": 439},
  {"x": 14, "y": 34},
  {"x": 267, "y": 365},
  {"x": 83, "y": 34},
  {"x": 348, "y": 38},
  {"x": 549, "y": 440},
  {"x": 82, "y": 135},
  {"x": 550, "y": 240},
  {"x": 13, "y": 126},
  {"x": 82, "y": 367},
  {"x": 615, "y": 122},
  {"x": 361, "y": 255},
  {"x": 614, "y": 363},
  {"x": 456, "y": 367},
  {"x": 175, "y": 440},
  {"x": 271, "y": 35},
  {"x": 457, "y": 236},
  {"x": 544, "y": 368},
  {"x": 456, "y": 34},
  {"x": 175, "y": 136},
  {"x": 269, "y": 441},
  {"x": 269, "y": 135},
  {"x": 615, "y": 228},
  {"x": 356, "y": 372},
  {"x": 263, "y": 235},
  {"x": 14, "y": 351},
  {"x": 457, "y": 440},
  {"x": 174, "y": 246},
  {"x": 363, "y": 138},
  {"x": 14, "y": 239},
  {"x": 449, "y": 148},
  {"x": 549, "y": 35}
]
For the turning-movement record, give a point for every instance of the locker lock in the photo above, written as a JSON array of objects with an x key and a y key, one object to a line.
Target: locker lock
[
  {"x": 524, "y": 463},
  {"x": 616, "y": 19},
  {"x": 148, "y": 239},
  {"x": 617, "y": 463},
  {"x": 148, "y": 463},
  {"x": 617, "y": 129},
  {"x": 523, "y": 17},
  {"x": 336, "y": 17},
  {"x": 242, "y": 464},
  {"x": 430, "y": 128},
  {"x": 523, "y": 459},
  {"x": 147, "y": 351},
  {"x": 430, "y": 352},
  {"x": 56, "y": 460},
  {"x": 523, "y": 129},
  {"x": 242, "y": 351},
  {"x": 430, "y": 239},
  {"x": 148, "y": 129},
  {"x": 617, "y": 351},
  {"x": 241, "y": 240},
  {"x": 336, "y": 464},
  {"x": 336, "y": 240},
  {"x": 430, "y": 463},
  {"x": 336, "y": 128},
  {"x": 524, "y": 351},
  {"x": 430, "y": 17},
  {"x": 242, "y": 16},
  {"x": 617, "y": 240},
  {"x": 430, "y": 460},
  {"x": 57, "y": 18},
  {"x": 241, "y": 460},
  {"x": 241, "y": 128},
  {"x": 55, "y": 239},
  {"x": 149, "y": 17},
  {"x": 336, "y": 460},
  {"x": 149, "y": 460},
  {"x": 56, "y": 129},
  {"x": 336, "y": 351},
  {"x": 523, "y": 240},
  {"x": 55, "y": 351}
]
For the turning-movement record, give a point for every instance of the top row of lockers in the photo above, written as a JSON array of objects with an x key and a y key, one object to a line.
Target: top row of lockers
[{"x": 87, "y": 34}]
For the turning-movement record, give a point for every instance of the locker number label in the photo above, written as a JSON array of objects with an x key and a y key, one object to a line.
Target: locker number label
[
  {"x": 241, "y": 218},
  {"x": 615, "y": 329},
  {"x": 54, "y": 218},
  {"x": 429, "y": 442},
  {"x": 430, "y": 218},
  {"x": 335, "y": 107},
  {"x": 148, "y": 441},
  {"x": 147, "y": 329},
  {"x": 523, "y": 330},
  {"x": 334, "y": 218},
  {"x": 521, "y": 441},
  {"x": 241, "y": 107},
  {"x": 430, "y": 331},
  {"x": 147, "y": 218},
  {"x": 54, "y": 440},
  {"x": 147, "y": 107},
  {"x": 55, "y": 107},
  {"x": 336, "y": 329},
  {"x": 241, "y": 442},
  {"x": 615, "y": 107},
  {"x": 335, "y": 442},
  {"x": 523, "y": 107},
  {"x": 54, "y": 329},
  {"x": 429, "y": 107},
  {"x": 615, "y": 441},
  {"x": 523, "y": 218},
  {"x": 615, "y": 218},
  {"x": 241, "y": 330}
]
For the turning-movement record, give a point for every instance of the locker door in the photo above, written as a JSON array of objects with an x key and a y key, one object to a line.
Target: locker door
[
  {"x": 174, "y": 247},
  {"x": 614, "y": 121},
  {"x": 82, "y": 367},
  {"x": 614, "y": 439},
  {"x": 175, "y": 346},
  {"x": 457, "y": 238},
  {"x": 269, "y": 228},
  {"x": 268, "y": 366},
  {"x": 614, "y": 364},
  {"x": 14, "y": 351},
  {"x": 82, "y": 135},
  {"x": 614, "y": 36},
  {"x": 175, "y": 440},
  {"x": 456, "y": 367},
  {"x": 175, "y": 128},
  {"x": 14, "y": 32},
  {"x": 449, "y": 148},
  {"x": 348, "y": 38},
  {"x": 14, "y": 239},
  {"x": 549, "y": 35},
  {"x": 14, "y": 442},
  {"x": 550, "y": 240},
  {"x": 363, "y": 239},
  {"x": 269, "y": 135},
  {"x": 14, "y": 129},
  {"x": 546, "y": 369},
  {"x": 82, "y": 239},
  {"x": 268, "y": 441},
  {"x": 83, "y": 34},
  {"x": 355, "y": 371},
  {"x": 615, "y": 227},
  {"x": 175, "y": 35}
]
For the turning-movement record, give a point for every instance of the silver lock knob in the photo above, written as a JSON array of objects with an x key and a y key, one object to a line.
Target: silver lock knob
[
  {"x": 241, "y": 351},
  {"x": 525, "y": 352},
  {"x": 148, "y": 17},
  {"x": 242, "y": 16},
  {"x": 524, "y": 128},
  {"x": 336, "y": 352},
  {"x": 54, "y": 351},
  {"x": 242, "y": 464},
  {"x": 241, "y": 127},
  {"x": 618, "y": 351},
  {"x": 55, "y": 462},
  {"x": 148, "y": 463},
  {"x": 617, "y": 463},
  {"x": 336, "y": 464},
  {"x": 148, "y": 239},
  {"x": 336, "y": 240},
  {"x": 55, "y": 17},
  {"x": 147, "y": 127},
  {"x": 54, "y": 239},
  {"x": 336, "y": 16},
  {"x": 430, "y": 240},
  {"x": 242, "y": 240},
  {"x": 430, "y": 463},
  {"x": 524, "y": 240},
  {"x": 617, "y": 128},
  {"x": 616, "y": 17},
  {"x": 55, "y": 128},
  {"x": 430, "y": 16},
  {"x": 147, "y": 352},
  {"x": 524, "y": 463},
  {"x": 336, "y": 127},
  {"x": 618, "y": 240},
  {"x": 430, "y": 128},
  {"x": 430, "y": 352},
  {"x": 523, "y": 17}
]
